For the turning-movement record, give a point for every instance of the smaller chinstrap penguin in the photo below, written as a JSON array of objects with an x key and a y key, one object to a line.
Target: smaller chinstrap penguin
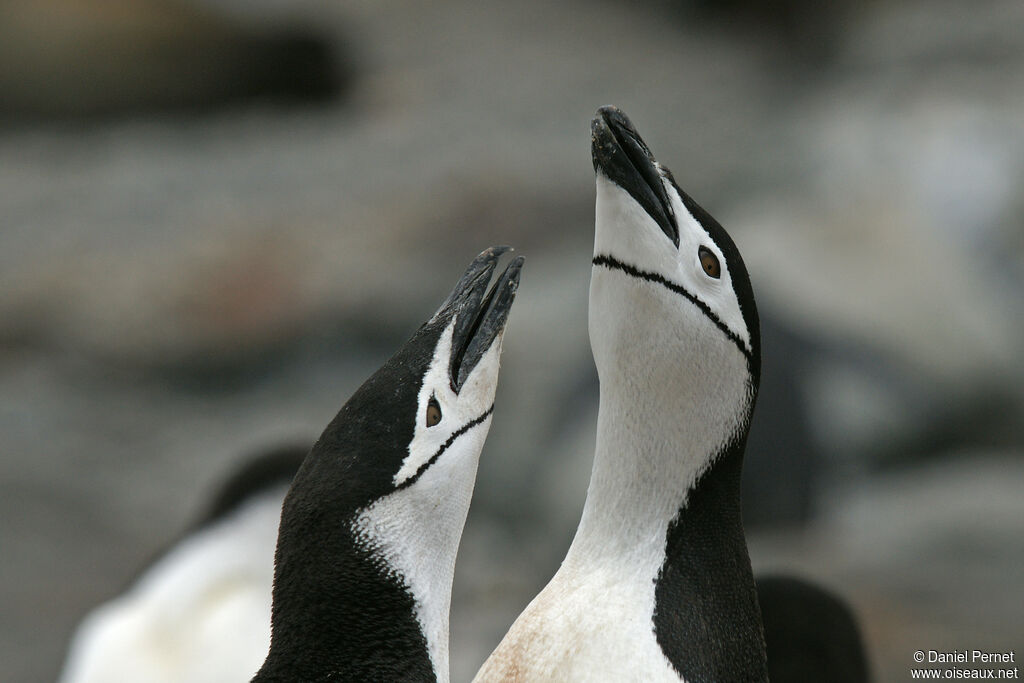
[
  {"x": 371, "y": 525},
  {"x": 657, "y": 584},
  {"x": 200, "y": 612}
]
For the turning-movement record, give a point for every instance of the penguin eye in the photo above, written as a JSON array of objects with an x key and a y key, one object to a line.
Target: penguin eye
[
  {"x": 709, "y": 262},
  {"x": 433, "y": 412}
]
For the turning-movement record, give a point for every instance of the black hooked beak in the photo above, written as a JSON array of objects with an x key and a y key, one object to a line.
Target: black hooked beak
[
  {"x": 479, "y": 317},
  {"x": 621, "y": 154}
]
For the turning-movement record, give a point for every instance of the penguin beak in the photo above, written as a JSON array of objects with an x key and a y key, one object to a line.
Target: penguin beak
[
  {"x": 480, "y": 315},
  {"x": 624, "y": 158}
]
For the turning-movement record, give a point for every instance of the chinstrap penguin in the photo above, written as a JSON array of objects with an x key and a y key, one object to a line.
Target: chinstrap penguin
[
  {"x": 811, "y": 634},
  {"x": 657, "y": 584},
  {"x": 201, "y": 611},
  {"x": 371, "y": 525}
]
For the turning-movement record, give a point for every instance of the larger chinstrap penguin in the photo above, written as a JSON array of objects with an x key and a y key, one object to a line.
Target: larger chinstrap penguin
[
  {"x": 371, "y": 525},
  {"x": 657, "y": 584}
]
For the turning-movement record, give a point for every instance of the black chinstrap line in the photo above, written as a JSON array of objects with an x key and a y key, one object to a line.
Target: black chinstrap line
[
  {"x": 614, "y": 264},
  {"x": 451, "y": 439}
]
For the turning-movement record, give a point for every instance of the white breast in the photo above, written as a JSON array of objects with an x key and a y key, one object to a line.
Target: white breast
[
  {"x": 201, "y": 614},
  {"x": 597, "y": 629}
]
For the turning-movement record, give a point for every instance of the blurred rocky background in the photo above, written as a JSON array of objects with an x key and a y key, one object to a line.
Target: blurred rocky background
[{"x": 217, "y": 217}]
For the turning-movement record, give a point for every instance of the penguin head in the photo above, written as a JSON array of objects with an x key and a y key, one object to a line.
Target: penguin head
[
  {"x": 427, "y": 408},
  {"x": 671, "y": 303},
  {"x": 371, "y": 525},
  {"x": 455, "y": 398}
]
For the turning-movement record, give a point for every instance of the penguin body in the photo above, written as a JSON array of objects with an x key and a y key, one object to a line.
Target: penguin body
[
  {"x": 811, "y": 634},
  {"x": 201, "y": 612},
  {"x": 372, "y": 522},
  {"x": 657, "y": 584}
]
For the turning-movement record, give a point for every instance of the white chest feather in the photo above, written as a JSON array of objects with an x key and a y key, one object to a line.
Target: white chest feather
[
  {"x": 200, "y": 614},
  {"x": 592, "y": 626}
]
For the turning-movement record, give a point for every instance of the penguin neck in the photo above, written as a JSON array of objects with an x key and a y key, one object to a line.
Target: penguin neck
[
  {"x": 339, "y": 611},
  {"x": 663, "y": 515},
  {"x": 366, "y": 595},
  {"x": 706, "y": 616},
  {"x": 657, "y": 436},
  {"x": 423, "y": 554}
]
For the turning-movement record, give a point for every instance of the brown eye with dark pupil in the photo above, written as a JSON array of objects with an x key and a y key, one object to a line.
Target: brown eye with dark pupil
[
  {"x": 709, "y": 262},
  {"x": 433, "y": 412}
]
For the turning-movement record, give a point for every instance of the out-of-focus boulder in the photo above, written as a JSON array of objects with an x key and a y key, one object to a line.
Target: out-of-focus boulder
[{"x": 91, "y": 58}]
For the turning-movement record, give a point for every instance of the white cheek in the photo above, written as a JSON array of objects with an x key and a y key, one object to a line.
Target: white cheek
[
  {"x": 477, "y": 394},
  {"x": 717, "y": 294},
  {"x": 624, "y": 231},
  {"x": 457, "y": 410},
  {"x": 427, "y": 440}
]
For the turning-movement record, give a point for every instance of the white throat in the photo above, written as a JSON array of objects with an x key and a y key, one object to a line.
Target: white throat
[
  {"x": 661, "y": 420},
  {"x": 671, "y": 399},
  {"x": 418, "y": 535}
]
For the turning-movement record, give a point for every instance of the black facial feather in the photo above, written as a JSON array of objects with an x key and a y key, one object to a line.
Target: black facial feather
[{"x": 737, "y": 271}]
